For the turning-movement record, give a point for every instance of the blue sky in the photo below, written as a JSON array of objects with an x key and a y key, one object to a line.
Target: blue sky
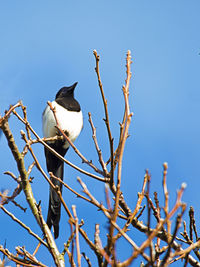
[{"x": 48, "y": 44}]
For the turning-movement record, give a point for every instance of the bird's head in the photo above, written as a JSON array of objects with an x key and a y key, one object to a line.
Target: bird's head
[{"x": 66, "y": 91}]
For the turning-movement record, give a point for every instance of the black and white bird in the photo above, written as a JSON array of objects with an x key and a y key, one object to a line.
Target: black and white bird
[{"x": 70, "y": 119}]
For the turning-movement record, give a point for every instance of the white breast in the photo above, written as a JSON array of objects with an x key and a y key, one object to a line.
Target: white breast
[{"x": 70, "y": 121}]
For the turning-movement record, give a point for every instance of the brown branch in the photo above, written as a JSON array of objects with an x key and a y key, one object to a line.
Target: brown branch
[
  {"x": 141, "y": 212},
  {"x": 59, "y": 261},
  {"x": 46, "y": 177},
  {"x": 81, "y": 196},
  {"x": 137, "y": 208},
  {"x": 108, "y": 200},
  {"x": 101, "y": 161},
  {"x": 21, "y": 168},
  {"x": 23, "y": 252},
  {"x": 25, "y": 118},
  {"x": 87, "y": 259},
  {"x": 22, "y": 224},
  {"x": 70, "y": 239},
  {"x": 96, "y": 250},
  {"x": 139, "y": 201},
  {"x": 192, "y": 224},
  {"x": 127, "y": 109},
  {"x": 154, "y": 232},
  {"x": 77, "y": 236},
  {"x": 119, "y": 171},
  {"x": 157, "y": 216},
  {"x": 97, "y": 57},
  {"x": 7, "y": 113},
  {"x": 98, "y": 244},
  {"x": 69, "y": 188},
  {"x": 166, "y": 194},
  {"x": 185, "y": 234},
  {"x": 149, "y": 207},
  {"x": 57, "y": 256},
  {"x": 166, "y": 259},
  {"x": 22, "y": 262},
  {"x": 101, "y": 207},
  {"x": 143, "y": 228},
  {"x": 40, "y": 140},
  {"x": 71, "y": 259},
  {"x": 12, "y": 176},
  {"x": 7, "y": 199},
  {"x": 188, "y": 249},
  {"x": 155, "y": 213}
]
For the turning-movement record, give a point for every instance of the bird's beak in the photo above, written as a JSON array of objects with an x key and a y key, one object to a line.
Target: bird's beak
[{"x": 72, "y": 87}]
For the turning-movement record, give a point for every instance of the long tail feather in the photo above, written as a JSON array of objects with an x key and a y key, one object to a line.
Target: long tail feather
[{"x": 55, "y": 166}]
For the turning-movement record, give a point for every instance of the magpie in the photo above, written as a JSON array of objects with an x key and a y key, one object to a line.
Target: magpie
[{"x": 70, "y": 119}]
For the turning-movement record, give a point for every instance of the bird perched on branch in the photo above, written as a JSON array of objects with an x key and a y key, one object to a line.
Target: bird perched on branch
[{"x": 70, "y": 119}]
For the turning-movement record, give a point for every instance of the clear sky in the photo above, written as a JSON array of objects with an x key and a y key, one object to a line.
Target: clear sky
[{"x": 48, "y": 44}]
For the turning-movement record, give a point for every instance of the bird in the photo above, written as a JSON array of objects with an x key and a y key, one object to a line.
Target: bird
[{"x": 70, "y": 119}]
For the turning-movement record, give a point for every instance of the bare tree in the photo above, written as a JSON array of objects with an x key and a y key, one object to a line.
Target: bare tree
[{"x": 161, "y": 246}]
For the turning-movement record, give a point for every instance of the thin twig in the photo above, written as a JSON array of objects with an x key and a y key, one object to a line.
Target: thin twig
[
  {"x": 166, "y": 259},
  {"x": 107, "y": 122},
  {"x": 22, "y": 224},
  {"x": 125, "y": 135},
  {"x": 87, "y": 192},
  {"x": 146, "y": 243},
  {"x": 7, "y": 113},
  {"x": 40, "y": 140},
  {"x": 77, "y": 236},
  {"x": 21, "y": 168},
  {"x": 166, "y": 194},
  {"x": 191, "y": 215},
  {"x": 22, "y": 262},
  {"x": 103, "y": 165}
]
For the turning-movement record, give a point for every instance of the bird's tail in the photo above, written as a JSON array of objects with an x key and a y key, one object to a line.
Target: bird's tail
[{"x": 55, "y": 166}]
